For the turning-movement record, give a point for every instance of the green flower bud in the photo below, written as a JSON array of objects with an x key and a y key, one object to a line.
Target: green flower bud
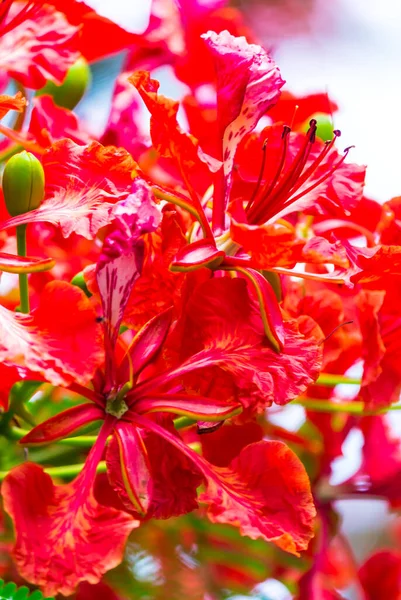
[
  {"x": 23, "y": 183},
  {"x": 324, "y": 126},
  {"x": 70, "y": 92}
]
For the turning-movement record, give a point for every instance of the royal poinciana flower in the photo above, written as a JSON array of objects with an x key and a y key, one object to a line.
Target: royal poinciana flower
[
  {"x": 265, "y": 489},
  {"x": 296, "y": 173}
]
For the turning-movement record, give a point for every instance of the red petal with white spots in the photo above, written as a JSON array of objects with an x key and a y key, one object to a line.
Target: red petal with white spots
[
  {"x": 120, "y": 263},
  {"x": 83, "y": 183},
  {"x": 38, "y": 46},
  {"x": 248, "y": 84},
  {"x": 60, "y": 340}
]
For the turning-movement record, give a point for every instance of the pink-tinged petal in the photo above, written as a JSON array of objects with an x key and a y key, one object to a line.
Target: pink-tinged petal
[
  {"x": 128, "y": 464},
  {"x": 17, "y": 102},
  {"x": 63, "y": 535},
  {"x": 83, "y": 183},
  {"x": 248, "y": 84},
  {"x": 269, "y": 308},
  {"x": 195, "y": 407},
  {"x": 61, "y": 340},
  {"x": 201, "y": 253},
  {"x": 24, "y": 264},
  {"x": 265, "y": 491},
  {"x": 120, "y": 263},
  {"x": 174, "y": 477},
  {"x": 40, "y": 47},
  {"x": 64, "y": 424},
  {"x": 149, "y": 340}
]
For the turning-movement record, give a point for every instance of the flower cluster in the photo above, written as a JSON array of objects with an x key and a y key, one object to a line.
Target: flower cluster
[{"x": 178, "y": 278}]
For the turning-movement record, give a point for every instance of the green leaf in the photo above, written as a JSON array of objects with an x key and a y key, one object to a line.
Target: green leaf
[{"x": 9, "y": 591}]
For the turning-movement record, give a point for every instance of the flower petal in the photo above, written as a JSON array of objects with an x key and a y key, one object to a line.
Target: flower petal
[
  {"x": 83, "y": 183},
  {"x": 195, "y": 407},
  {"x": 167, "y": 137},
  {"x": 63, "y": 536},
  {"x": 129, "y": 468},
  {"x": 199, "y": 254},
  {"x": 269, "y": 308},
  {"x": 17, "y": 102},
  {"x": 63, "y": 424},
  {"x": 265, "y": 491},
  {"x": 174, "y": 477},
  {"x": 149, "y": 339},
  {"x": 121, "y": 260},
  {"x": 40, "y": 47},
  {"x": 24, "y": 264},
  {"x": 9, "y": 376},
  {"x": 50, "y": 123},
  {"x": 248, "y": 84},
  {"x": 60, "y": 340},
  {"x": 224, "y": 328}
]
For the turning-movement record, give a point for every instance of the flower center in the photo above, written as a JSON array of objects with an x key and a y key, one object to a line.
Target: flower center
[
  {"x": 279, "y": 192},
  {"x": 116, "y": 404}
]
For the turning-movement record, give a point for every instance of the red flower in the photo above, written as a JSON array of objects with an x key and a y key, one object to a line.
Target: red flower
[{"x": 264, "y": 491}]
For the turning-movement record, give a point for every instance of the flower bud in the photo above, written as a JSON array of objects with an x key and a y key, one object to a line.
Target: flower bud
[
  {"x": 70, "y": 92},
  {"x": 23, "y": 183},
  {"x": 324, "y": 126}
]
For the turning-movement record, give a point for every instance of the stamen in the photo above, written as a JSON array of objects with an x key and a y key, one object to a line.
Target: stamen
[
  {"x": 323, "y": 178},
  {"x": 293, "y": 115},
  {"x": 334, "y": 330},
  {"x": 290, "y": 178},
  {"x": 308, "y": 172},
  {"x": 270, "y": 186},
  {"x": 261, "y": 171}
]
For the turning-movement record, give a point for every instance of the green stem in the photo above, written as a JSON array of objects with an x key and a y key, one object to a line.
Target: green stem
[
  {"x": 330, "y": 380},
  {"x": 353, "y": 408},
  {"x": 23, "y": 278},
  {"x": 67, "y": 471},
  {"x": 81, "y": 441},
  {"x": 183, "y": 422}
]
